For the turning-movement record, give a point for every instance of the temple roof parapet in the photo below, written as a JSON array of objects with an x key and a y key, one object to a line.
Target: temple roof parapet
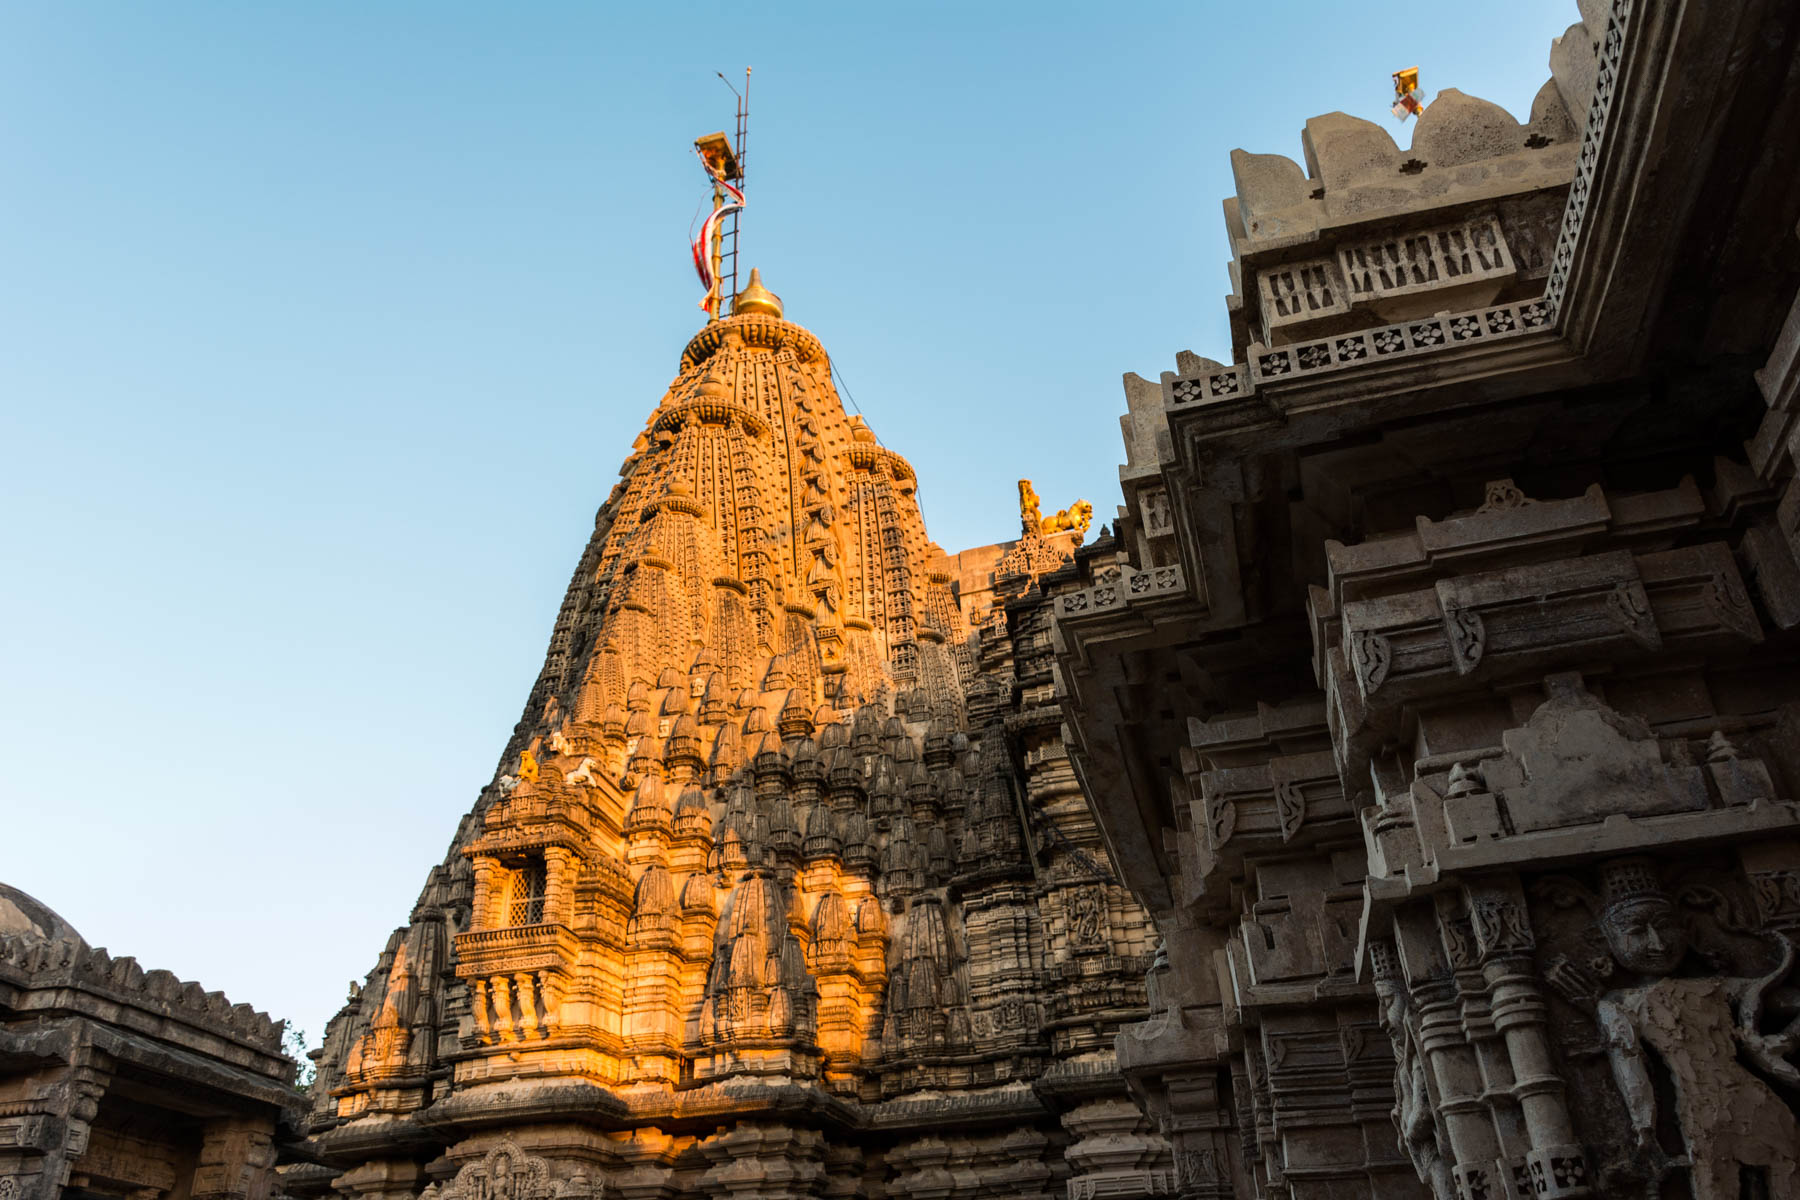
[
  {"x": 1368, "y": 234},
  {"x": 120, "y": 991}
]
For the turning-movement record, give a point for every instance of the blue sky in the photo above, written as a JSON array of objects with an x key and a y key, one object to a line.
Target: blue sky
[{"x": 324, "y": 328}]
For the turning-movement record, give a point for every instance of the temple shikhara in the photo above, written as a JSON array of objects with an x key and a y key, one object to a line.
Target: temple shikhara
[
  {"x": 784, "y": 884},
  {"x": 1395, "y": 800}
]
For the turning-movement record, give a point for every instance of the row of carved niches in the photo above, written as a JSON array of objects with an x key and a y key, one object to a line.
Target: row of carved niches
[{"x": 1624, "y": 1026}]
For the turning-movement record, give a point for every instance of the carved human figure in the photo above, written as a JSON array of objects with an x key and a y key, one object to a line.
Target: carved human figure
[
  {"x": 500, "y": 1184},
  {"x": 1697, "y": 1027},
  {"x": 1087, "y": 916},
  {"x": 1412, "y": 1112}
]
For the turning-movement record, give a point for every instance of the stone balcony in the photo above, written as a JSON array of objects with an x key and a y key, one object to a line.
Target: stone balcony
[{"x": 515, "y": 948}]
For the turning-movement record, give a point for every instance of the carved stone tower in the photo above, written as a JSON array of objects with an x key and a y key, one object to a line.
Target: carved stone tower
[{"x": 784, "y": 884}]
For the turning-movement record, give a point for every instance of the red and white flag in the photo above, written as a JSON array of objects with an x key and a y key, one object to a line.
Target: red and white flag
[{"x": 703, "y": 243}]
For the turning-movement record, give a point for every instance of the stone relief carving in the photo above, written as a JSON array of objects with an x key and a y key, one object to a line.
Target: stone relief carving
[
  {"x": 1290, "y": 808},
  {"x": 508, "y": 1173},
  {"x": 1221, "y": 820},
  {"x": 1155, "y": 507},
  {"x": 1418, "y": 1134},
  {"x": 1468, "y": 637},
  {"x": 1372, "y": 659},
  {"x": 1087, "y": 916},
  {"x": 1679, "y": 983}
]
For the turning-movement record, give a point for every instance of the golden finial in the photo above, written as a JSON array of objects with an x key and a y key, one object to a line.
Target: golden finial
[{"x": 756, "y": 298}]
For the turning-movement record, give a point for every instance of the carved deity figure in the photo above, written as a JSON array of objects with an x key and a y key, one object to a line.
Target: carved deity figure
[
  {"x": 1698, "y": 1028},
  {"x": 500, "y": 1183},
  {"x": 1087, "y": 916},
  {"x": 1412, "y": 1113}
]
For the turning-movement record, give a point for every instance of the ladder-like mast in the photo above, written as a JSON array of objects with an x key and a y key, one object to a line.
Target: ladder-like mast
[
  {"x": 726, "y": 268},
  {"x": 716, "y": 247}
]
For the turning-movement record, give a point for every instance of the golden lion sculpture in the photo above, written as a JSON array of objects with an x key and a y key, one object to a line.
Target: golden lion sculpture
[{"x": 1078, "y": 516}]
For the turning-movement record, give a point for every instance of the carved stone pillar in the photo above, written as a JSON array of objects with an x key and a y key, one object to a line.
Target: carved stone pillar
[
  {"x": 500, "y": 987},
  {"x": 1420, "y": 1136},
  {"x": 1555, "y": 1162},
  {"x": 38, "y": 1149},
  {"x": 478, "y": 1004},
  {"x": 559, "y": 892},
  {"x": 1454, "y": 1068},
  {"x": 1202, "y": 1166},
  {"x": 526, "y": 995},
  {"x": 487, "y": 876},
  {"x": 236, "y": 1161},
  {"x": 550, "y": 991}
]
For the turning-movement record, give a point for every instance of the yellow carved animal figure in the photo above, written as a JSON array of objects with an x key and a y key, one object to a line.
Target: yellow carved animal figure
[{"x": 1078, "y": 516}]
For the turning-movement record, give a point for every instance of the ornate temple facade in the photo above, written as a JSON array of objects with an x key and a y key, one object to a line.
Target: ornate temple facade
[
  {"x": 1399, "y": 800},
  {"x": 1438, "y": 692},
  {"x": 785, "y": 885}
]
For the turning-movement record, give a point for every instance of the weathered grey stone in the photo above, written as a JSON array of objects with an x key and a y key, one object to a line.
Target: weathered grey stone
[
  {"x": 1342, "y": 150},
  {"x": 1267, "y": 185},
  {"x": 1457, "y": 129},
  {"x": 1457, "y": 761},
  {"x": 101, "y": 1066},
  {"x": 1550, "y": 117},
  {"x": 1573, "y": 67}
]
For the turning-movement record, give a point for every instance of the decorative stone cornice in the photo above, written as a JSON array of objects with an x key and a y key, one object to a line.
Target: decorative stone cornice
[{"x": 757, "y": 331}]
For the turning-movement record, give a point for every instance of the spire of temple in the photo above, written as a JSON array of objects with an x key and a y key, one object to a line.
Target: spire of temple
[
  {"x": 758, "y": 584},
  {"x": 718, "y": 849}
]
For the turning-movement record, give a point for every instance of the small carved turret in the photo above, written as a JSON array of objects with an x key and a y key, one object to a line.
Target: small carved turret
[
  {"x": 649, "y": 808},
  {"x": 822, "y": 837}
]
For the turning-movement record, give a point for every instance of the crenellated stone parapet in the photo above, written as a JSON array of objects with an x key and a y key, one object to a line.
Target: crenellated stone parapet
[{"x": 1368, "y": 235}]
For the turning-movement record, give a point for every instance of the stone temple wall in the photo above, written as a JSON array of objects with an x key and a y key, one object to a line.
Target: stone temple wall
[{"x": 1438, "y": 687}]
